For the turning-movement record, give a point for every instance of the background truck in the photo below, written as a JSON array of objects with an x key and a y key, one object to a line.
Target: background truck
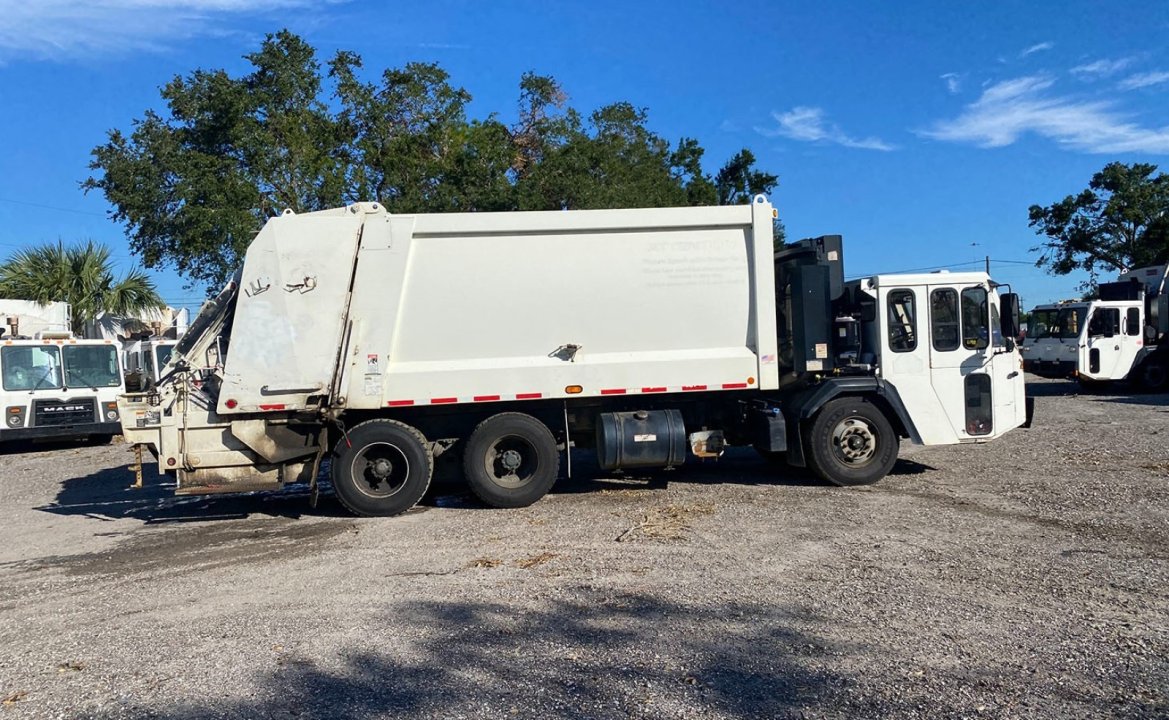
[
  {"x": 145, "y": 360},
  {"x": 1120, "y": 336},
  {"x": 57, "y": 386},
  {"x": 380, "y": 342},
  {"x": 1052, "y": 346}
]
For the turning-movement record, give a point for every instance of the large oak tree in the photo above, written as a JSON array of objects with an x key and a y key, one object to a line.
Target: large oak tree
[{"x": 195, "y": 183}]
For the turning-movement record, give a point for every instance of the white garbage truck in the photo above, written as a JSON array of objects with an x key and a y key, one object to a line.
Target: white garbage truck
[
  {"x": 56, "y": 386},
  {"x": 651, "y": 337},
  {"x": 1119, "y": 336}
]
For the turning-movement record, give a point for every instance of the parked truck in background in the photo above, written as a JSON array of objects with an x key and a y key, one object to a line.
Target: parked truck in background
[
  {"x": 1051, "y": 347},
  {"x": 55, "y": 386},
  {"x": 1120, "y": 336},
  {"x": 145, "y": 361},
  {"x": 652, "y": 336}
]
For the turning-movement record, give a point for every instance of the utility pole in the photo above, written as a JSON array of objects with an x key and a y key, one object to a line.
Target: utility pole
[{"x": 988, "y": 264}]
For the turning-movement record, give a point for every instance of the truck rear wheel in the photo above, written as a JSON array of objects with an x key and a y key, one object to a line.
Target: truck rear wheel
[
  {"x": 511, "y": 460},
  {"x": 851, "y": 442},
  {"x": 382, "y": 468},
  {"x": 1153, "y": 376}
]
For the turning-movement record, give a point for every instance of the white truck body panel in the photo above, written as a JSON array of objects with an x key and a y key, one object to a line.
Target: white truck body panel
[
  {"x": 482, "y": 307},
  {"x": 34, "y": 318}
]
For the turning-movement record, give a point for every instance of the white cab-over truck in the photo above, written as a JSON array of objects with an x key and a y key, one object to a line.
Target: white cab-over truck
[
  {"x": 55, "y": 386},
  {"x": 1120, "y": 336},
  {"x": 380, "y": 341},
  {"x": 145, "y": 361}
]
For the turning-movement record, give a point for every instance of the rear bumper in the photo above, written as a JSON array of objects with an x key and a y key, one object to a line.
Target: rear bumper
[
  {"x": 1057, "y": 369},
  {"x": 63, "y": 431}
]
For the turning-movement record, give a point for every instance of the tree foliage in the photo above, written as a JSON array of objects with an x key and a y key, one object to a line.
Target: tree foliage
[
  {"x": 195, "y": 184},
  {"x": 1119, "y": 222},
  {"x": 81, "y": 275}
]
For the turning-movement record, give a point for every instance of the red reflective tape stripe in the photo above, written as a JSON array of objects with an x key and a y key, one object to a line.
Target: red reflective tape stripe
[
  {"x": 653, "y": 389},
  {"x": 486, "y": 398},
  {"x": 271, "y": 407},
  {"x": 399, "y": 403},
  {"x": 613, "y": 391},
  {"x": 443, "y": 401},
  {"x": 734, "y": 386},
  {"x": 693, "y": 387},
  {"x": 529, "y": 396}
]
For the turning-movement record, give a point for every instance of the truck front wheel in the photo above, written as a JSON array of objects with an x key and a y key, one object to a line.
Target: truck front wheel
[
  {"x": 1153, "y": 375},
  {"x": 851, "y": 442},
  {"x": 382, "y": 467},
  {"x": 511, "y": 460}
]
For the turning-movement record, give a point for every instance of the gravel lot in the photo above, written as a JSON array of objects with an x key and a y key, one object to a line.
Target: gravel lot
[{"x": 1023, "y": 578}]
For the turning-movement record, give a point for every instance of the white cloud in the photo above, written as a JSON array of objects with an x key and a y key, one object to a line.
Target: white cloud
[
  {"x": 953, "y": 82},
  {"x": 1013, "y": 108},
  {"x": 1101, "y": 68},
  {"x": 1141, "y": 80},
  {"x": 807, "y": 124},
  {"x": 70, "y": 30},
  {"x": 1038, "y": 47}
]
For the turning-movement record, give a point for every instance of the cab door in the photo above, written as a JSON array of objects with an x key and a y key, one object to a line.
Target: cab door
[
  {"x": 1102, "y": 350},
  {"x": 960, "y": 357}
]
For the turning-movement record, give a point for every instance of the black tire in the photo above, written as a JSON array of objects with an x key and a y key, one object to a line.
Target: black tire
[
  {"x": 851, "y": 442},
  {"x": 1153, "y": 376},
  {"x": 383, "y": 469},
  {"x": 511, "y": 460}
]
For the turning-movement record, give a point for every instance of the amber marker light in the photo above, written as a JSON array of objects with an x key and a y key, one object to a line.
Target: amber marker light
[
  {"x": 574, "y": 389},
  {"x": 750, "y": 381}
]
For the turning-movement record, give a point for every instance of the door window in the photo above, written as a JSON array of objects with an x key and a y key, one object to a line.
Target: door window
[
  {"x": 979, "y": 409},
  {"x": 1132, "y": 322},
  {"x": 975, "y": 321},
  {"x": 944, "y": 319},
  {"x": 902, "y": 321},
  {"x": 1105, "y": 322}
]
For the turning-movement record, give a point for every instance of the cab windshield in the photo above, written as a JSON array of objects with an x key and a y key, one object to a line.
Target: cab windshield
[
  {"x": 91, "y": 366},
  {"x": 31, "y": 367},
  {"x": 1063, "y": 324},
  {"x": 164, "y": 352}
]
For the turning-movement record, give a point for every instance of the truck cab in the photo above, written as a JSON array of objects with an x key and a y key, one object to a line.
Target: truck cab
[
  {"x": 145, "y": 361},
  {"x": 943, "y": 348},
  {"x": 1051, "y": 347},
  {"x": 58, "y": 386}
]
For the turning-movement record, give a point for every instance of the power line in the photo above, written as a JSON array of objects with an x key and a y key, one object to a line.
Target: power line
[{"x": 52, "y": 207}]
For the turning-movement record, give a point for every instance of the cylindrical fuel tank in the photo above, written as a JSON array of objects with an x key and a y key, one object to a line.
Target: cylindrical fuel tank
[{"x": 644, "y": 438}]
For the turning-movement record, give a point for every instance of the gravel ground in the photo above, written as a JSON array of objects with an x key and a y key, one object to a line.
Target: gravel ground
[{"x": 1022, "y": 578}]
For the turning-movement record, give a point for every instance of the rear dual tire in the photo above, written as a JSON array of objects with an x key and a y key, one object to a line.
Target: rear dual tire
[
  {"x": 511, "y": 460},
  {"x": 381, "y": 468}
]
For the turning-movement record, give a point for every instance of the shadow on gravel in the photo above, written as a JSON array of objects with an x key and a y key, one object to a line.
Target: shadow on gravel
[
  {"x": 13, "y": 447},
  {"x": 599, "y": 656},
  {"x": 107, "y": 495}
]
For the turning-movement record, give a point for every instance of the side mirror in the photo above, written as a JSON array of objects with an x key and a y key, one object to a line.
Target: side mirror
[{"x": 1009, "y": 318}]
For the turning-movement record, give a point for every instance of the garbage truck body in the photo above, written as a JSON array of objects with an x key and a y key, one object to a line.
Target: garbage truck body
[{"x": 379, "y": 343}]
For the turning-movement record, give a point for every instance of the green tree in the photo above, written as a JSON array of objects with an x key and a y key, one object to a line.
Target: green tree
[
  {"x": 739, "y": 181},
  {"x": 1120, "y": 221},
  {"x": 195, "y": 187},
  {"x": 80, "y": 275},
  {"x": 195, "y": 183}
]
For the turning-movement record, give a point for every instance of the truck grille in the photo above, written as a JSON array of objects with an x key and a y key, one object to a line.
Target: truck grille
[{"x": 63, "y": 412}]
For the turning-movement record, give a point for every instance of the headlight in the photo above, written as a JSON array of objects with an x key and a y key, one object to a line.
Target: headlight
[
  {"x": 15, "y": 415},
  {"x": 14, "y": 421},
  {"x": 111, "y": 415}
]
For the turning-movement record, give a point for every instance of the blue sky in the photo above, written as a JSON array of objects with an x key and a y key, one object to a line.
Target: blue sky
[{"x": 920, "y": 130}]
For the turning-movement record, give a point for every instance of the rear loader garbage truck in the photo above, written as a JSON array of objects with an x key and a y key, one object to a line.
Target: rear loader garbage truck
[{"x": 379, "y": 341}]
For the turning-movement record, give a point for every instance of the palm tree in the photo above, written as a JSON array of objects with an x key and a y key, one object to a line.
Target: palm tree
[{"x": 80, "y": 275}]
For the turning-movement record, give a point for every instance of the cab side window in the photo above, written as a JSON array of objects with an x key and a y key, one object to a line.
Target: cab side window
[
  {"x": 975, "y": 323},
  {"x": 902, "y": 321},
  {"x": 1132, "y": 322},
  {"x": 944, "y": 319}
]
